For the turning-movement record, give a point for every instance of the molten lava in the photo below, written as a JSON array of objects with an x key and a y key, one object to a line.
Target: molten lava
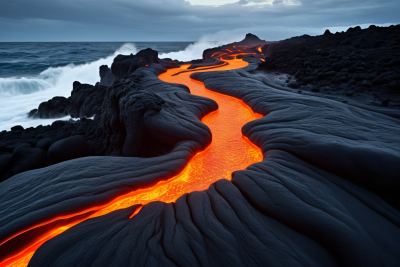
[{"x": 229, "y": 151}]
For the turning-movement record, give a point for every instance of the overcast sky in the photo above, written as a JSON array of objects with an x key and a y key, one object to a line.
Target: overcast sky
[{"x": 179, "y": 20}]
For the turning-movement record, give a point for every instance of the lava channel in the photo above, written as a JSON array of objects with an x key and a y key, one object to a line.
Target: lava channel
[{"x": 229, "y": 151}]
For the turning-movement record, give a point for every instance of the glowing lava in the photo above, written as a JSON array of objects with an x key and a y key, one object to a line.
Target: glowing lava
[{"x": 228, "y": 152}]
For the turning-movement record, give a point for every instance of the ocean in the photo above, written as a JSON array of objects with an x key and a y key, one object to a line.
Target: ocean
[{"x": 31, "y": 73}]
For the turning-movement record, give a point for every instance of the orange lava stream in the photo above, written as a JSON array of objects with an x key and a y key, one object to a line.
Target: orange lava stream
[{"x": 228, "y": 152}]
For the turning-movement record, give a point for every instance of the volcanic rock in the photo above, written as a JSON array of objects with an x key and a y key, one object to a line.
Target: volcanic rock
[
  {"x": 44, "y": 143},
  {"x": 38, "y": 139},
  {"x": 395, "y": 85},
  {"x": 130, "y": 120},
  {"x": 23, "y": 158},
  {"x": 206, "y": 63},
  {"x": 106, "y": 76},
  {"x": 86, "y": 100},
  {"x": 263, "y": 215},
  {"x": 174, "y": 123},
  {"x": 123, "y": 65},
  {"x": 68, "y": 148},
  {"x": 248, "y": 44},
  {"x": 293, "y": 84},
  {"x": 51, "y": 109},
  {"x": 355, "y": 55},
  {"x": 325, "y": 194},
  {"x": 17, "y": 128},
  {"x": 169, "y": 63},
  {"x": 251, "y": 39}
]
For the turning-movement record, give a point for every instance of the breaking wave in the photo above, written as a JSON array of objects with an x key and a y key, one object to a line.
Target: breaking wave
[
  {"x": 20, "y": 95},
  {"x": 195, "y": 51}
]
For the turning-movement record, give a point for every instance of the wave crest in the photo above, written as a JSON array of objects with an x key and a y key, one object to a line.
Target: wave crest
[
  {"x": 20, "y": 95},
  {"x": 22, "y": 86},
  {"x": 61, "y": 77}
]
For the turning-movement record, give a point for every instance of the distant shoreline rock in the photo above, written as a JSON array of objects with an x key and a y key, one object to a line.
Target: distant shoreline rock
[{"x": 356, "y": 62}]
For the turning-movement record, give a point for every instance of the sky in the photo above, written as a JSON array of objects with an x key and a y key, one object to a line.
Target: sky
[{"x": 180, "y": 20}]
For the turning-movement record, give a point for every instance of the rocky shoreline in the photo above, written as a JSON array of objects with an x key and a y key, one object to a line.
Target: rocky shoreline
[
  {"x": 361, "y": 64},
  {"x": 325, "y": 194}
]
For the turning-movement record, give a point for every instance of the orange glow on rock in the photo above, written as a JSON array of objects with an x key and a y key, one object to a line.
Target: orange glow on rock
[
  {"x": 229, "y": 151},
  {"x": 259, "y": 49},
  {"x": 136, "y": 212}
]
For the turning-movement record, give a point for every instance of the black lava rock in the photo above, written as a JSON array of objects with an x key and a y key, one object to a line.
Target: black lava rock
[
  {"x": 395, "y": 85},
  {"x": 337, "y": 67},
  {"x": 293, "y": 84},
  {"x": 123, "y": 65},
  {"x": 366, "y": 84},
  {"x": 23, "y": 158},
  {"x": 353, "y": 56},
  {"x": 17, "y": 128},
  {"x": 51, "y": 109},
  {"x": 129, "y": 120},
  {"x": 68, "y": 148},
  {"x": 322, "y": 196},
  {"x": 106, "y": 76},
  {"x": 248, "y": 44},
  {"x": 380, "y": 81}
]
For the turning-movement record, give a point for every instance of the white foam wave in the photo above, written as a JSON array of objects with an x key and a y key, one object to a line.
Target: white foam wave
[
  {"x": 20, "y": 95},
  {"x": 195, "y": 51},
  {"x": 61, "y": 77},
  {"x": 22, "y": 86}
]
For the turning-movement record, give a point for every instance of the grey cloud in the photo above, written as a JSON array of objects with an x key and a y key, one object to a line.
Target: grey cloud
[
  {"x": 245, "y": 2},
  {"x": 277, "y": 2},
  {"x": 124, "y": 20}
]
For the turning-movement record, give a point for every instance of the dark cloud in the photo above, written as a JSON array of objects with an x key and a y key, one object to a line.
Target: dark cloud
[
  {"x": 278, "y": 2},
  {"x": 151, "y": 20}
]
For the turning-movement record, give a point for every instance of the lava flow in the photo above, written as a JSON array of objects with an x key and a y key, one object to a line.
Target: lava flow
[{"x": 229, "y": 151}]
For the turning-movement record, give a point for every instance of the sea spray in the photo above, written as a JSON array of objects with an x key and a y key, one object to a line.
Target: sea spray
[
  {"x": 22, "y": 86},
  {"x": 20, "y": 95},
  {"x": 195, "y": 51}
]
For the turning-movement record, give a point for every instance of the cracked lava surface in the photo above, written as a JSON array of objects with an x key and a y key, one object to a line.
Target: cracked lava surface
[{"x": 229, "y": 151}]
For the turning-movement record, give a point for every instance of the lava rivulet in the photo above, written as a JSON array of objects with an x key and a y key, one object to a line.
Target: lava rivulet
[{"x": 229, "y": 151}]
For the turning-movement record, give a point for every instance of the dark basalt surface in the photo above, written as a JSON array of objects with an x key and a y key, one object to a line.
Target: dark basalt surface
[
  {"x": 54, "y": 108},
  {"x": 247, "y": 45},
  {"x": 361, "y": 64},
  {"x": 322, "y": 196},
  {"x": 340, "y": 138},
  {"x": 217, "y": 227},
  {"x": 26, "y": 149},
  {"x": 106, "y": 76},
  {"x": 325, "y": 194},
  {"x": 206, "y": 63},
  {"x": 118, "y": 105},
  {"x": 153, "y": 115},
  {"x": 125, "y": 123},
  {"x": 85, "y": 101},
  {"x": 123, "y": 65}
]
